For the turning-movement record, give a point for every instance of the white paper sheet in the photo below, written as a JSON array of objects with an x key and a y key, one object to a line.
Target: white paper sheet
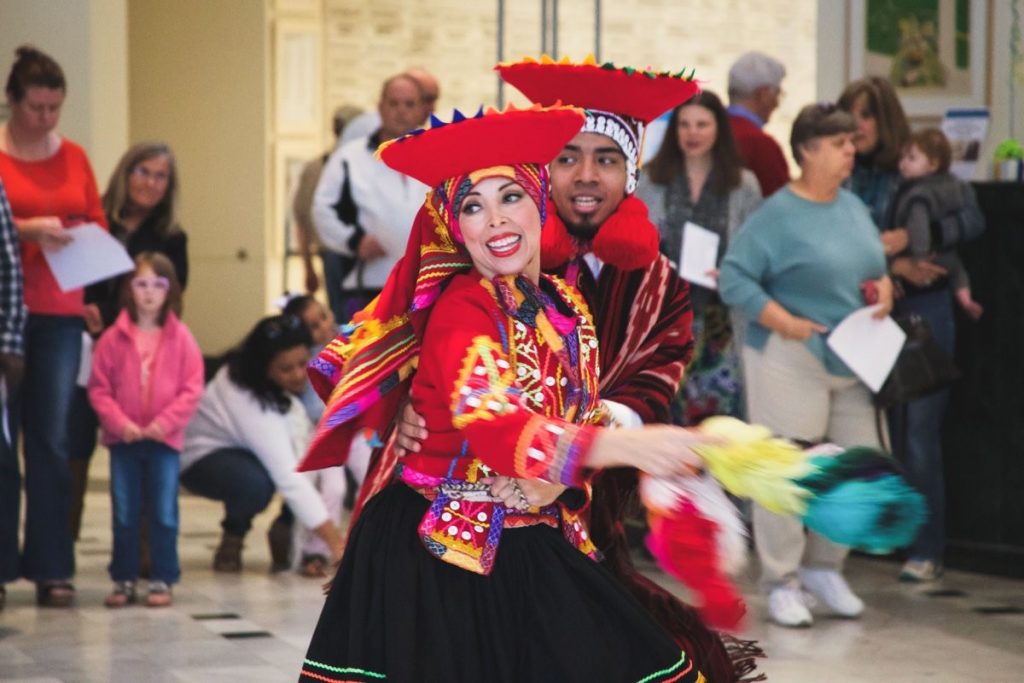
[
  {"x": 85, "y": 361},
  {"x": 868, "y": 346},
  {"x": 699, "y": 255},
  {"x": 92, "y": 255}
]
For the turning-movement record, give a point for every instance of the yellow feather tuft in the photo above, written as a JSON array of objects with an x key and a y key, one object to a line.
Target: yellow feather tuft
[{"x": 750, "y": 463}]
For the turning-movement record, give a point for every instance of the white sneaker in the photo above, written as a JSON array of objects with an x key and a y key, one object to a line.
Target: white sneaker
[
  {"x": 786, "y": 607},
  {"x": 831, "y": 588},
  {"x": 916, "y": 571}
]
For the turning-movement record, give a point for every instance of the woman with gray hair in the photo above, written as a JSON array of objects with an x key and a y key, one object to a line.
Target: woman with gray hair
[
  {"x": 798, "y": 266},
  {"x": 140, "y": 203}
]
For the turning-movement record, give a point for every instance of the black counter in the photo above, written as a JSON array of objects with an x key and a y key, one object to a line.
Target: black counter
[{"x": 983, "y": 433}]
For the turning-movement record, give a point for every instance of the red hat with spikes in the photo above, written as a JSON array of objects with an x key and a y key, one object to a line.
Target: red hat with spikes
[
  {"x": 641, "y": 95},
  {"x": 489, "y": 138},
  {"x": 620, "y": 101}
]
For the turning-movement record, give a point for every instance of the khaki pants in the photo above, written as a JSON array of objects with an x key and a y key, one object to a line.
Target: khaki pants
[{"x": 790, "y": 392}]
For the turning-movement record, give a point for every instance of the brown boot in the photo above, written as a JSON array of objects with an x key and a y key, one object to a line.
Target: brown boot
[
  {"x": 279, "y": 537},
  {"x": 228, "y": 557}
]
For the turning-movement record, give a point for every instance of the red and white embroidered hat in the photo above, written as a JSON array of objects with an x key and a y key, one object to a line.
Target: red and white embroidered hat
[{"x": 620, "y": 101}]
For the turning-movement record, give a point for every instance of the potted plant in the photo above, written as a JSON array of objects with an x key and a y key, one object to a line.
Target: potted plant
[{"x": 1010, "y": 160}]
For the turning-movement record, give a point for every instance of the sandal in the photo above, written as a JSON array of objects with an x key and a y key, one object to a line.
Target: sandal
[
  {"x": 159, "y": 594},
  {"x": 122, "y": 595},
  {"x": 314, "y": 566},
  {"x": 55, "y": 594}
]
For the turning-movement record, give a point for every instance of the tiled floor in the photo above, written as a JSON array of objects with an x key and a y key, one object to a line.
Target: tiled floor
[{"x": 255, "y": 627}]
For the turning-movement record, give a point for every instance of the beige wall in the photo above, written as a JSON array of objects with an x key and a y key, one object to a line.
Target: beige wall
[
  {"x": 365, "y": 42},
  {"x": 198, "y": 80}
]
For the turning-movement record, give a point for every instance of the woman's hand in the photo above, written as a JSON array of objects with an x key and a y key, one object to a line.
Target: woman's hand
[
  {"x": 412, "y": 429},
  {"x": 778, "y": 319},
  {"x": 331, "y": 536},
  {"x": 885, "y": 297},
  {"x": 659, "y": 450},
  {"x": 524, "y": 493},
  {"x": 801, "y": 329},
  {"x": 894, "y": 241},
  {"x": 916, "y": 272},
  {"x": 46, "y": 231},
  {"x": 12, "y": 369},
  {"x": 93, "y": 319}
]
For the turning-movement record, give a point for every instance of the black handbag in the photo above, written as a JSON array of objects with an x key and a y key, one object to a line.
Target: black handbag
[{"x": 923, "y": 367}]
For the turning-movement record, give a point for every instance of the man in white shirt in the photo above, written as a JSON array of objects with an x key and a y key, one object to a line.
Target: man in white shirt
[{"x": 362, "y": 208}]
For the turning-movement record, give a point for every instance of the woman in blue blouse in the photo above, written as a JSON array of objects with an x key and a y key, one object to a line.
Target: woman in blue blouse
[{"x": 795, "y": 270}]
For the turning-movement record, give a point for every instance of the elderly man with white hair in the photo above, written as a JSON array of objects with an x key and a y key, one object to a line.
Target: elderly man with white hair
[{"x": 755, "y": 87}]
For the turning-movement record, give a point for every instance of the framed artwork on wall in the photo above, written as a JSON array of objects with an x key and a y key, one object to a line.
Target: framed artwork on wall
[{"x": 936, "y": 52}]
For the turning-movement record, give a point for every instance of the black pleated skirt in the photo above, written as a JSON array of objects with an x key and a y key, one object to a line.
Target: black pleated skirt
[{"x": 546, "y": 612}]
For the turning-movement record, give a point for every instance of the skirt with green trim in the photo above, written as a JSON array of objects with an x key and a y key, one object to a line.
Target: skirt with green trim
[{"x": 545, "y": 613}]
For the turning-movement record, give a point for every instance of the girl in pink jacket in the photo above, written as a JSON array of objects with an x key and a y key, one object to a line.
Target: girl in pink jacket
[{"x": 147, "y": 378}]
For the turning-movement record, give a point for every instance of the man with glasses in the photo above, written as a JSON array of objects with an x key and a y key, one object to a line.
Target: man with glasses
[{"x": 755, "y": 89}]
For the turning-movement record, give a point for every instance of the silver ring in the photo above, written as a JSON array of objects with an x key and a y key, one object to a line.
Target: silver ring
[{"x": 523, "y": 502}]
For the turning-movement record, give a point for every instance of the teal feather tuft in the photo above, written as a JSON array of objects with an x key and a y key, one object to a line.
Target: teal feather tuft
[
  {"x": 854, "y": 463},
  {"x": 876, "y": 515}
]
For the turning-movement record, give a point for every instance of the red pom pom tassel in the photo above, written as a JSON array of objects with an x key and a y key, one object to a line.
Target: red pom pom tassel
[
  {"x": 627, "y": 239},
  {"x": 683, "y": 543},
  {"x": 557, "y": 246}
]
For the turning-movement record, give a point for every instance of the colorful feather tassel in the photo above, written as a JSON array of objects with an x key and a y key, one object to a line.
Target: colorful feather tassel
[{"x": 855, "y": 497}]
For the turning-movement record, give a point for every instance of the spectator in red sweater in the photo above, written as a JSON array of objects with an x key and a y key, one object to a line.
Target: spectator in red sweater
[
  {"x": 51, "y": 187},
  {"x": 755, "y": 88}
]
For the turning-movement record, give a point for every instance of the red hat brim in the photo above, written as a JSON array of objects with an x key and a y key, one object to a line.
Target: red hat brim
[
  {"x": 514, "y": 136},
  {"x": 642, "y": 95}
]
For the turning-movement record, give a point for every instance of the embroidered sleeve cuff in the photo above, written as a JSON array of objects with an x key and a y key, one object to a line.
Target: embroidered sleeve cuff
[{"x": 554, "y": 451}]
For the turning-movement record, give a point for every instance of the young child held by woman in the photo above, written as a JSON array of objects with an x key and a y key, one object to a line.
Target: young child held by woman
[
  {"x": 929, "y": 194},
  {"x": 146, "y": 382}
]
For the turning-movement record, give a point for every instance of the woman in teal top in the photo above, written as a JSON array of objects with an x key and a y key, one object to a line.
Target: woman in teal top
[{"x": 796, "y": 269}]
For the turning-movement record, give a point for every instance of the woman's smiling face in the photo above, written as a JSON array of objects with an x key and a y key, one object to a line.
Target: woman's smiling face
[{"x": 500, "y": 226}]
